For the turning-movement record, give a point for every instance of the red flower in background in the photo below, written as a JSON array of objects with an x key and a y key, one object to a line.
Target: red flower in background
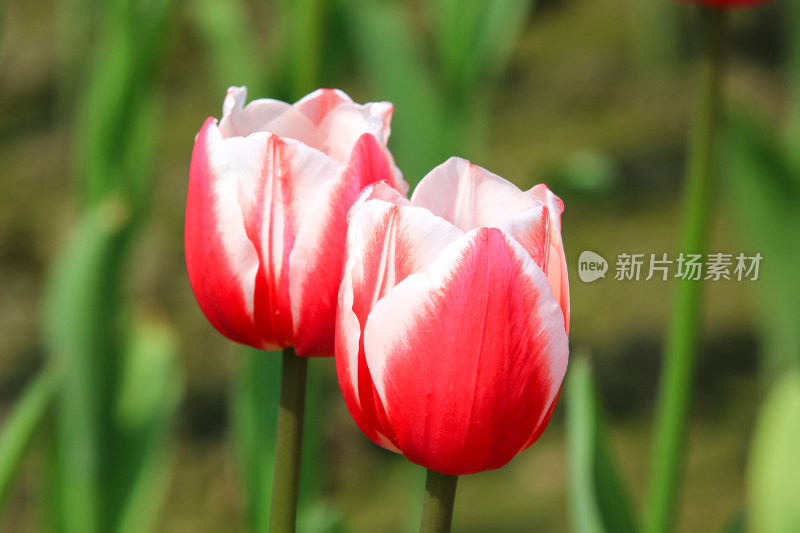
[
  {"x": 451, "y": 334},
  {"x": 269, "y": 191}
]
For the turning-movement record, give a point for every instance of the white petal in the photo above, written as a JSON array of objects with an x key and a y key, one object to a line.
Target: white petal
[{"x": 470, "y": 196}]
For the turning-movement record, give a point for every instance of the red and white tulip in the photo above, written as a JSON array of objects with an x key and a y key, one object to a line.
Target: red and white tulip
[
  {"x": 269, "y": 190},
  {"x": 451, "y": 334}
]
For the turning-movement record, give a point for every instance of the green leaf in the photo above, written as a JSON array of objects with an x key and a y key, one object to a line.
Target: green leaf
[
  {"x": 394, "y": 65},
  {"x": 80, "y": 331},
  {"x": 474, "y": 39},
  {"x": 115, "y": 100},
  {"x": 255, "y": 414},
  {"x": 599, "y": 500},
  {"x": 150, "y": 390},
  {"x": 21, "y": 424},
  {"x": 227, "y": 33},
  {"x": 773, "y": 480},
  {"x": 763, "y": 191}
]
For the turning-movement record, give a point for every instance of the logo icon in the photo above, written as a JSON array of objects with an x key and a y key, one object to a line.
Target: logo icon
[{"x": 591, "y": 266}]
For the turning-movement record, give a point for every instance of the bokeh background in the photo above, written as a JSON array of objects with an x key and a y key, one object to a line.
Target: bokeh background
[{"x": 99, "y": 105}]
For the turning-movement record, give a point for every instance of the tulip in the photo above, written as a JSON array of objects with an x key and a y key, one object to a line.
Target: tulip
[
  {"x": 451, "y": 333},
  {"x": 269, "y": 190}
]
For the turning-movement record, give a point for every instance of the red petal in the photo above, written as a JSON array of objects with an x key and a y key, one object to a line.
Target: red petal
[
  {"x": 385, "y": 243},
  {"x": 315, "y": 263},
  {"x": 290, "y": 178},
  {"x": 220, "y": 260},
  {"x": 468, "y": 360}
]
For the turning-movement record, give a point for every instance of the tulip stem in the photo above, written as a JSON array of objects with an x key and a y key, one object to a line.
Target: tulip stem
[
  {"x": 288, "y": 445},
  {"x": 681, "y": 343},
  {"x": 437, "y": 511}
]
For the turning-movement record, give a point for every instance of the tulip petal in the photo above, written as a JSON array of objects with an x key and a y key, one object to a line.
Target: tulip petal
[
  {"x": 470, "y": 196},
  {"x": 344, "y": 124},
  {"x": 543, "y": 423},
  {"x": 383, "y": 111},
  {"x": 385, "y": 243},
  {"x": 556, "y": 268},
  {"x": 531, "y": 229},
  {"x": 266, "y": 115},
  {"x": 318, "y": 104},
  {"x": 439, "y": 346},
  {"x": 220, "y": 259},
  {"x": 381, "y": 191},
  {"x": 315, "y": 262},
  {"x": 273, "y": 204},
  {"x": 354, "y": 381}
]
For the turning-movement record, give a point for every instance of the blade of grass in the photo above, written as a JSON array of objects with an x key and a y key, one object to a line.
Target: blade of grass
[
  {"x": 677, "y": 372},
  {"x": 21, "y": 424},
  {"x": 148, "y": 399},
  {"x": 118, "y": 88},
  {"x": 599, "y": 500},
  {"x": 80, "y": 335}
]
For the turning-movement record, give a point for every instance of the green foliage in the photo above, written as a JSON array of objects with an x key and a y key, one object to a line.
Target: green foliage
[
  {"x": 230, "y": 44},
  {"x": 443, "y": 105},
  {"x": 21, "y": 425},
  {"x": 587, "y": 172},
  {"x": 315, "y": 516},
  {"x": 599, "y": 499},
  {"x": 774, "y": 466},
  {"x": 121, "y": 380},
  {"x": 117, "y": 113},
  {"x": 305, "y": 32},
  {"x": 474, "y": 40},
  {"x": 391, "y": 54},
  {"x": 254, "y": 410},
  {"x": 146, "y": 402},
  {"x": 763, "y": 191},
  {"x": 81, "y": 335},
  {"x": 120, "y": 388}
]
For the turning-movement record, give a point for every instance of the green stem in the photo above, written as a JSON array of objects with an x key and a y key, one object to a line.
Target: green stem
[
  {"x": 437, "y": 511},
  {"x": 681, "y": 343},
  {"x": 288, "y": 445}
]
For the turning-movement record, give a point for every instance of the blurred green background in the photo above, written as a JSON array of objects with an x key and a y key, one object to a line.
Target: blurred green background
[{"x": 155, "y": 423}]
